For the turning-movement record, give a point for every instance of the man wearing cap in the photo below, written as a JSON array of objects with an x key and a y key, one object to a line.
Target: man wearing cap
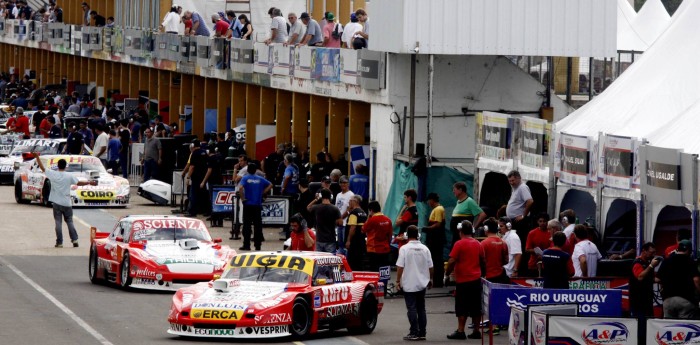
[
  {"x": 314, "y": 34},
  {"x": 332, "y": 32},
  {"x": 350, "y": 30},
  {"x": 278, "y": 28},
  {"x": 253, "y": 188},
  {"x": 21, "y": 123},
  {"x": 680, "y": 280}
]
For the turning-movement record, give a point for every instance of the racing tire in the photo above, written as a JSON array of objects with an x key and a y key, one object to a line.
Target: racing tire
[
  {"x": 125, "y": 278},
  {"x": 368, "y": 314},
  {"x": 18, "y": 193},
  {"x": 92, "y": 266},
  {"x": 301, "y": 318},
  {"x": 45, "y": 193}
]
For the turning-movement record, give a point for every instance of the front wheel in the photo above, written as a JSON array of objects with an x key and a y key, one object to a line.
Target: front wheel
[
  {"x": 125, "y": 280},
  {"x": 18, "y": 193},
  {"x": 92, "y": 266},
  {"x": 368, "y": 314},
  {"x": 301, "y": 318}
]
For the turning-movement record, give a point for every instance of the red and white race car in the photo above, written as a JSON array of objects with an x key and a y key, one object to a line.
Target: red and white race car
[
  {"x": 278, "y": 294},
  {"x": 156, "y": 253}
]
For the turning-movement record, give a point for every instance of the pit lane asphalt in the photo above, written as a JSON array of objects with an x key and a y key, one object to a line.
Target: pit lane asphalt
[{"x": 46, "y": 296}]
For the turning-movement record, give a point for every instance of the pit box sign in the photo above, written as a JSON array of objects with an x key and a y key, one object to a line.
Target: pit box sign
[
  {"x": 567, "y": 330},
  {"x": 275, "y": 211},
  {"x": 618, "y": 162},
  {"x": 222, "y": 198},
  {"x": 537, "y": 324},
  {"x": 667, "y": 175},
  {"x": 600, "y": 303},
  {"x": 574, "y": 165},
  {"x": 673, "y": 332}
]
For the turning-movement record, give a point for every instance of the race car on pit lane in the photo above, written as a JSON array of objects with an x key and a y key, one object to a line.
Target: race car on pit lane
[
  {"x": 278, "y": 294},
  {"x": 21, "y": 152},
  {"x": 156, "y": 253},
  {"x": 31, "y": 183}
]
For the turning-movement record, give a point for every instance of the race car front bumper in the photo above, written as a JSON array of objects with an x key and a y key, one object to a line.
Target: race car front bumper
[{"x": 229, "y": 331}]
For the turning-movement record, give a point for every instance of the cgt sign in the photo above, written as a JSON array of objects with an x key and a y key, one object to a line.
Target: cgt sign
[{"x": 222, "y": 198}]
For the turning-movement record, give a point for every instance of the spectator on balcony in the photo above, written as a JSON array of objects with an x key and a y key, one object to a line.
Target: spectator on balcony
[
  {"x": 361, "y": 38},
  {"x": 99, "y": 20},
  {"x": 39, "y": 15},
  {"x": 235, "y": 28},
  {"x": 58, "y": 14},
  {"x": 296, "y": 31},
  {"x": 110, "y": 22},
  {"x": 171, "y": 21},
  {"x": 198, "y": 26},
  {"x": 323, "y": 21},
  {"x": 350, "y": 30},
  {"x": 314, "y": 35},
  {"x": 220, "y": 26},
  {"x": 332, "y": 32},
  {"x": 86, "y": 14},
  {"x": 247, "y": 30},
  {"x": 278, "y": 28}
]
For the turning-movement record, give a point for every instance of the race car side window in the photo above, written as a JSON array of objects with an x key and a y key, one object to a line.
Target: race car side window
[
  {"x": 324, "y": 272},
  {"x": 118, "y": 231},
  {"x": 126, "y": 226}
]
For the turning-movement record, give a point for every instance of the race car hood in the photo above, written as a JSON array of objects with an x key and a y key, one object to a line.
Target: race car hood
[
  {"x": 205, "y": 259},
  {"x": 108, "y": 187},
  {"x": 7, "y": 164},
  {"x": 242, "y": 294}
]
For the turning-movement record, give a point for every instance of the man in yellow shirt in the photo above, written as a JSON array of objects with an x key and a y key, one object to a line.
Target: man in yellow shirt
[
  {"x": 435, "y": 235},
  {"x": 354, "y": 238}
]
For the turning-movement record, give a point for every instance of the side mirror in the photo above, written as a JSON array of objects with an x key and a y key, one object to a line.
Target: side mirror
[
  {"x": 217, "y": 240},
  {"x": 120, "y": 239}
]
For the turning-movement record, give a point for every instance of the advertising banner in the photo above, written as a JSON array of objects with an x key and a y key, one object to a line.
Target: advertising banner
[
  {"x": 672, "y": 332},
  {"x": 348, "y": 66},
  {"x": 574, "y": 160},
  {"x": 262, "y": 58},
  {"x": 281, "y": 59},
  {"x": 371, "y": 68},
  {"x": 222, "y": 198},
  {"x": 302, "y": 62},
  {"x": 265, "y": 138},
  {"x": 325, "y": 64},
  {"x": 275, "y": 211},
  {"x": 661, "y": 175},
  {"x": 567, "y": 330},
  {"x": 516, "y": 327},
  {"x": 242, "y": 56},
  {"x": 495, "y": 136},
  {"x": 534, "y": 142},
  {"x": 603, "y": 303},
  {"x": 618, "y": 162}
]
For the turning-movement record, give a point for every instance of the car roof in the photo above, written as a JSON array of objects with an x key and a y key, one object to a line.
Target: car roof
[
  {"x": 155, "y": 216},
  {"x": 301, "y": 254}
]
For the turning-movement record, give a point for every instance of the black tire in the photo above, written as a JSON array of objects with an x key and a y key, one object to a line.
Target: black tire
[
  {"x": 18, "y": 193},
  {"x": 125, "y": 277},
  {"x": 368, "y": 314},
  {"x": 45, "y": 193},
  {"x": 301, "y": 318},
  {"x": 92, "y": 266}
]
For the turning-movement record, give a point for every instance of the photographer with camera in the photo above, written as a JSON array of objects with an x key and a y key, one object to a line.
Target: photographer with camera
[{"x": 642, "y": 282}]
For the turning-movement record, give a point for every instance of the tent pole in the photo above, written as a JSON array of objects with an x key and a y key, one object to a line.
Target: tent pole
[
  {"x": 569, "y": 67},
  {"x": 412, "y": 114},
  {"x": 429, "y": 142},
  {"x": 591, "y": 64},
  {"x": 550, "y": 70}
]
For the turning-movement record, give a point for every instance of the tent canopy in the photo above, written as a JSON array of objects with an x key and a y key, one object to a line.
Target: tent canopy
[
  {"x": 654, "y": 90},
  {"x": 681, "y": 133}
]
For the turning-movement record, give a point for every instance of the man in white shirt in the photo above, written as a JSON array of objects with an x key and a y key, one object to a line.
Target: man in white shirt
[
  {"x": 414, "y": 275},
  {"x": 586, "y": 255},
  {"x": 568, "y": 221},
  {"x": 342, "y": 201},
  {"x": 100, "y": 148},
  {"x": 515, "y": 250},
  {"x": 278, "y": 28},
  {"x": 350, "y": 30},
  {"x": 171, "y": 22},
  {"x": 296, "y": 31}
]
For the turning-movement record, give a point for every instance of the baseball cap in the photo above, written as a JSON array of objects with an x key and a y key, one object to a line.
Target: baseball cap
[
  {"x": 325, "y": 179},
  {"x": 304, "y": 15},
  {"x": 684, "y": 246},
  {"x": 353, "y": 17}
]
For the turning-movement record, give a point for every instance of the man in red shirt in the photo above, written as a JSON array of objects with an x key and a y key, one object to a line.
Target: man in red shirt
[
  {"x": 301, "y": 237},
  {"x": 220, "y": 26},
  {"x": 21, "y": 124},
  {"x": 467, "y": 260},
  {"x": 45, "y": 126},
  {"x": 378, "y": 229},
  {"x": 496, "y": 255},
  {"x": 538, "y": 238},
  {"x": 682, "y": 234}
]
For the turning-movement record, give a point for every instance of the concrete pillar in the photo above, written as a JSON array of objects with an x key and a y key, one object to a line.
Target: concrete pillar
[
  {"x": 284, "y": 116},
  {"x": 317, "y": 125},
  {"x": 338, "y": 113},
  {"x": 301, "y": 104},
  {"x": 252, "y": 117}
]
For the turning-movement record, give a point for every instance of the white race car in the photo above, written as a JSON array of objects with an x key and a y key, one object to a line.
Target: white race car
[
  {"x": 31, "y": 183},
  {"x": 21, "y": 152}
]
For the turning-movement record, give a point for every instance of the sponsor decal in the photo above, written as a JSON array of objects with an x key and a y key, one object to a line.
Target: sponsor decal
[
  {"x": 143, "y": 281},
  {"x": 515, "y": 330},
  {"x": 7, "y": 168},
  {"x": 218, "y": 305},
  {"x": 224, "y": 198},
  {"x": 605, "y": 333},
  {"x": 540, "y": 330},
  {"x": 663, "y": 175},
  {"x": 275, "y": 261},
  {"x": 342, "y": 310},
  {"x": 335, "y": 294},
  {"x": 168, "y": 224},
  {"x": 215, "y": 332},
  {"x": 278, "y": 318},
  {"x": 385, "y": 273},
  {"x": 346, "y": 276},
  {"x": 264, "y": 330},
  {"x": 317, "y": 299},
  {"x": 144, "y": 272},
  {"x": 213, "y": 314},
  {"x": 329, "y": 261},
  {"x": 678, "y": 334},
  {"x": 186, "y": 260},
  {"x": 96, "y": 195}
]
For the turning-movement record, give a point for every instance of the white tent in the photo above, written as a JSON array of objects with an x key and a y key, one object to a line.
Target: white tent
[
  {"x": 651, "y": 21},
  {"x": 657, "y": 87},
  {"x": 681, "y": 133},
  {"x": 627, "y": 38}
]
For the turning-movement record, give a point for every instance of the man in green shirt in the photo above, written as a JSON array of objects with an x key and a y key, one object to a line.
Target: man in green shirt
[{"x": 465, "y": 209}]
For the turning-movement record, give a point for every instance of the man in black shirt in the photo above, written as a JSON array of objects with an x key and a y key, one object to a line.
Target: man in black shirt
[
  {"x": 74, "y": 146},
  {"x": 641, "y": 282},
  {"x": 408, "y": 215},
  {"x": 354, "y": 238},
  {"x": 327, "y": 218},
  {"x": 271, "y": 163},
  {"x": 196, "y": 174},
  {"x": 556, "y": 264},
  {"x": 305, "y": 197},
  {"x": 321, "y": 168},
  {"x": 681, "y": 282},
  {"x": 99, "y": 20}
]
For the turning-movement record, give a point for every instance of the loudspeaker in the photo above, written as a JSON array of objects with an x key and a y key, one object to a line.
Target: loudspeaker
[{"x": 420, "y": 149}]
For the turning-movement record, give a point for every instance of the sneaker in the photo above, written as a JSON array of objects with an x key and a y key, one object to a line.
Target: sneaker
[
  {"x": 496, "y": 331},
  {"x": 457, "y": 335},
  {"x": 410, "y": 337},
  {"x": 244, "y": 248},
  {"x": 58, "y": 245},
  {"x": 421, "y": 337},
  {"x": 474, "y": 336},
  {"x": 75, "y": 243}
]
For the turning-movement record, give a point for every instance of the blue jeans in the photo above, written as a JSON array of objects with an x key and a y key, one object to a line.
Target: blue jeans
[
  {"x": 65, "y": 212},
  {"x": 150, "y": 169},
  {"x": 328, "y": 247},
  {"x": 340, "y": 235},
  {"x": 124, "y": 161},
  {"x": 415, "y": 306}
]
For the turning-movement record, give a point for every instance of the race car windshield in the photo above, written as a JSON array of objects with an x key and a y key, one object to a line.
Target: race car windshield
[
  {"x": 42, "y": 149},
  {"x": 162, "y": 234},
  {"x": 85, "y": 166},
  {"x": 267, "y": 274}
]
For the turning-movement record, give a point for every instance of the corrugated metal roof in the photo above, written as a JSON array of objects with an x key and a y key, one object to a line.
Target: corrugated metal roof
[{"x": 495, "y": 27}]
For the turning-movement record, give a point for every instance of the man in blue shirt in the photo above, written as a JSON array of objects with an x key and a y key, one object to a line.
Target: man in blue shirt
[
  {"x": 359, "y": 182},
  {"x": 253, "y": 188},
  {"x": 114, "y": 146},
  {"x": 290, "y": 180}
]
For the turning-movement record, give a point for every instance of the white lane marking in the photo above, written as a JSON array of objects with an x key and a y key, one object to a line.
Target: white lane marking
[
  {"x": 357, "y": 340},
  {"x": 298, "y": 343},
  {"x": 58, "y": 304},
  {"x": 77, "y": 219}
]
